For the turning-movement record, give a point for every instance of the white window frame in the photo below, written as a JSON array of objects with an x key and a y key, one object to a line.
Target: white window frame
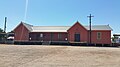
[
  {"x": 99, "y": 34},
  {"x": 41, "y": 34}
]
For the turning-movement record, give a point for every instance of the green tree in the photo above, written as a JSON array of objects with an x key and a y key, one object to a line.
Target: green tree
[
  {"x": 114, "y": 38},
  {"x": 1, "y": 34},
  {"x": 1, "y": 31}
]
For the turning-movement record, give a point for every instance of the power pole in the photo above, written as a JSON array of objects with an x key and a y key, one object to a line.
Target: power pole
[
  {"x": 90, "y": 27},
  {"x": 5, "y": 35},
  {"x": 5, "y": 25}
]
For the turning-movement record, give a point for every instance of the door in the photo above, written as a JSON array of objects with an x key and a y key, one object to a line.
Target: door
[{"x": 77, "y": 37}]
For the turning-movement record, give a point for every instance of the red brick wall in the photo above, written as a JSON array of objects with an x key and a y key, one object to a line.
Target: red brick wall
[
  {"x": 105, "y": 37},
  {"x": 35, "y": 36},
  {"x": 78, "y": 28},
  {"x": 21, "y": 33}
]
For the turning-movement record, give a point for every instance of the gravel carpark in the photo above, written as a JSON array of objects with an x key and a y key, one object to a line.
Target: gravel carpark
[{"x": 58, "y": 56}]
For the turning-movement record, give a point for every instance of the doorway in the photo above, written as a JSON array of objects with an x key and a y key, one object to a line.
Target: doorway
[{"x": 77, "y": 37}]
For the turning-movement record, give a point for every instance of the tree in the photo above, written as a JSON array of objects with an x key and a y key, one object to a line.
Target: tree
[
  {"x": 114, "y": 38},
  {"x": 1, "y": 34},
  {"x": 1, "y": 31}
]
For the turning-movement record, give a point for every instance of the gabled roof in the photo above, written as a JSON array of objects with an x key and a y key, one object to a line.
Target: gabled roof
[
  {"x": 77, "y": 23},
  {"x": 32, "y": 28},
  {"x": 28, "y": 26}
]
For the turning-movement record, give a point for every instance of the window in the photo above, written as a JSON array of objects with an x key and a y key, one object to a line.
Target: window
[
  {"x": 59, "y": 36},
  {"x": 99, "y": 35},
  {"x": 41, "y": 35},
  {"x": 51, "y": 36}
]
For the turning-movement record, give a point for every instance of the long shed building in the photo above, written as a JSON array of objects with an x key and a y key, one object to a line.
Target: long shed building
[{"x": 100, "y": 34}]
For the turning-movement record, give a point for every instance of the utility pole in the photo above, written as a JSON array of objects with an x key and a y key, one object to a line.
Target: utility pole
[
  {"x": 90, "y": 27},
  {"x": 5, "y": 25},
  {"x": 5, "y": 35}
]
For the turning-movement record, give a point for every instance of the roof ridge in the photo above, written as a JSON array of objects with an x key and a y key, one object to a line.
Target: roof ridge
[
  {"x": 95, "y": 25},
  {"x": 66, "y": 26},
  {"x": 99, "y": 25},
  {"x": 28, "y": 26},
  {"x": 26, "y": 23}
]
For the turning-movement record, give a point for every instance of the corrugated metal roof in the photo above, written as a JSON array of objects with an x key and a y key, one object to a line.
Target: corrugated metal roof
[
  {"x": 50, "y": 28},
  {"x": 99, "y": 27},
  {"x": 32, "y": 28},
  {"x": 65, "y": 28},
  {"x": 28, "y": 26}
]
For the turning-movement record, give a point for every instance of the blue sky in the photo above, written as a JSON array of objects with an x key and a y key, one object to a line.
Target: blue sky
[{"x": 60, "y": 12}]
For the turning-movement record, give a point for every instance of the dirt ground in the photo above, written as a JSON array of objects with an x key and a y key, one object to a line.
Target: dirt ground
[{"x": 58, "y": 56}]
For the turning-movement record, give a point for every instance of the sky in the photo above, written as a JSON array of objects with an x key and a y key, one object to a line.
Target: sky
[{"x": 60, "y": 12}]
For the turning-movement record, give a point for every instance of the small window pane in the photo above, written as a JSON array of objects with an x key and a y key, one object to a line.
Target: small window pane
[
  {"x": 98, "y": 35},
  {"x": 41, "y": 35}
]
